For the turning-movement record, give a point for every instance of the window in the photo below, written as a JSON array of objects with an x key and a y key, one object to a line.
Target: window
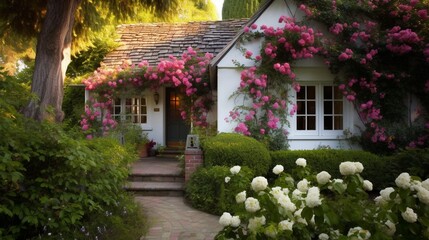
[
  {"x": 320, "y": 110},
  {"x": 130, "y": 109}
]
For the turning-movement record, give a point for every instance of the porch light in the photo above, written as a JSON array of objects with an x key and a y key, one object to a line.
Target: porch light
[{"x": 156, "y": 97}]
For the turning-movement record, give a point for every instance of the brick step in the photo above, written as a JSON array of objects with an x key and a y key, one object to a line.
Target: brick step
[
  {"x": 171, "y": 153},
  {"x": 156, "y": 188}
]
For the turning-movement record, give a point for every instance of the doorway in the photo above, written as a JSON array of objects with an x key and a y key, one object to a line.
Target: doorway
[{"x": 176, "y": 128}]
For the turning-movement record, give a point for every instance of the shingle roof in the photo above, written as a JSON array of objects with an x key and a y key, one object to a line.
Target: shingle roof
[{"x": 155, "y": 41}]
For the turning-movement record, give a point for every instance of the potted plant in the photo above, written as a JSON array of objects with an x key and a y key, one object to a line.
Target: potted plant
[{"x": 149, "y": 146}]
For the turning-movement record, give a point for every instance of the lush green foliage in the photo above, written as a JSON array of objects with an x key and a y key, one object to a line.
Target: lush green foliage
[
  {"x": 229, "y": 149},
  {"x": 73, "y": 105},
  {"x": 310, "y": 206},
  {"x": 379, "y": 170},
  {"x": 54, "y": 182},
  {"x": 207, "y": 190},
  {"x": 239, "y": 8}
]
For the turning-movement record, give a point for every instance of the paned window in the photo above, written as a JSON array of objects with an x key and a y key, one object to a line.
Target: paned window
[
  {"x": 132, "y": 110},
  {"x": 320, "y": 109}
]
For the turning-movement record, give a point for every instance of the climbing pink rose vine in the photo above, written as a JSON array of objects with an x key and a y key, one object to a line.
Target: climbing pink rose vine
[
  {"x": 187, "y": 73},
  {"x": 267, "y": 83},
  {"x": 379, "y": 51}
]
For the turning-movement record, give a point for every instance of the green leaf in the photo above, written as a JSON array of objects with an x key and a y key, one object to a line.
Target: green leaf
[{"x": 307, "y": 213}]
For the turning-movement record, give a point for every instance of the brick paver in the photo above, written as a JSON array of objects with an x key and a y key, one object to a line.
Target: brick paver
[{"x": 171, "y": 219}]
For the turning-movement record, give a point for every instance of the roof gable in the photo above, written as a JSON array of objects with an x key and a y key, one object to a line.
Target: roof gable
[{"x": 156, "y": 41}]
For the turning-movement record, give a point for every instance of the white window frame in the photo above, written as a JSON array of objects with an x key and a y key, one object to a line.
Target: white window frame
[
  {"x": 135, "y": 106},
  {"x": 319, "y": 133}
]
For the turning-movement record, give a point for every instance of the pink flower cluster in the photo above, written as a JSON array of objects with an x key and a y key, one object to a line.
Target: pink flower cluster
[
  {"x": 269, "y": 109},
  {"x": 187, "y": 73},
  {"x": 401, "y": 41}
]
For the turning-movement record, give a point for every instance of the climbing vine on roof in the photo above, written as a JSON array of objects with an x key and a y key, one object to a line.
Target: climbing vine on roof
[{"x": 187, "y": 73}]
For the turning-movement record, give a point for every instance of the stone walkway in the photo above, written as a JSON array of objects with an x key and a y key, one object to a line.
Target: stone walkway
[{"x": 170, "y": 218}]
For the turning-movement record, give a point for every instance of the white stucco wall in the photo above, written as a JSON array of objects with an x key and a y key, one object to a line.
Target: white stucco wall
[
  {"x": 310, "y": 70},
  {"x": 155, "y": 126}
]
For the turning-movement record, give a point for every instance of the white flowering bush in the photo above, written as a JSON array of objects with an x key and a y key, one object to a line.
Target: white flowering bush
[{"x": 300, "y": 204}]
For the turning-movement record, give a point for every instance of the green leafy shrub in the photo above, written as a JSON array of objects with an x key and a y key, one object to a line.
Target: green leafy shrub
[
  {"x": 206, "y": 189},
  {"x": 382, "y": 171},
  {"x": 329, "y": 159},
  {"x": 413, "y": 161},
  {"x": 52, "y": 182},
  {"x": 229, "y": 149}
]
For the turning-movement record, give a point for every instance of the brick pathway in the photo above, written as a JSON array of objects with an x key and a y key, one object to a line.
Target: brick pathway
[{"x": 170, "y": 218}]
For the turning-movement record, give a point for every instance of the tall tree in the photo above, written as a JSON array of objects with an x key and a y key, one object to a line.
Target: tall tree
[
  {"x": 56, "y": 23},
  {"x": 239, "y": 8}
]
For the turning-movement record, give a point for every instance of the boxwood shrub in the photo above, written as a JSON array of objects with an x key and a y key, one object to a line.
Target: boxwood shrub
[
  {"x": 381, "y": 171},
  {"x": 230, "y": 149},
  {"x": 207, "y": 190}
]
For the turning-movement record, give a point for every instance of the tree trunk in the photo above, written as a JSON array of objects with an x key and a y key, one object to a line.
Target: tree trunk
[{"x": 52, "y": 59}]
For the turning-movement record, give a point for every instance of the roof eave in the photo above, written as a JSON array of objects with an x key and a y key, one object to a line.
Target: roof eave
[{"x": 215, "y": 61}]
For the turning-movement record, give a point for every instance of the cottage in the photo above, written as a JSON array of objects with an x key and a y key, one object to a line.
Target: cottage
[{"x": 323, "y": 116}]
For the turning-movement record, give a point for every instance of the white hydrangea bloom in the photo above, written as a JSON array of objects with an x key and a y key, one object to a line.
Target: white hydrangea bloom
[
  {"x": 323, "y": 236},
  {"x": 425, "y": 184},
  {"x": 323, "y": 177},
  {"x": 415, "y": 185},
  {"x": 225, "y": 219},
  {"x": 313, "y": 197},
  {"x": 359, "y": 167},
  {"x": 234, "y": 170},
  {"x": 303, "y": 185},
  {"x": 403, "y": 180},
  {"x": 235, "y": 221},
  {"x": 379, "y": 201},
  {"x": 252, "y": 205},
  {"x": 390, "y": 228},
  {"x": 296, "y": 194},
  {"x": 240, "y": 197},
  {"x": 255, "y": 223},
  {"x": 367, "y": 185},
  {"x": 276, "y": 192},
  {"x": 286, "y": 225},
  {"x": 259, "y": 184},
  {"x": 278, "y": 169},
  {"x": 359, "y": 233},
  {"x": 347, "y": 168},
  {"x": 286, "y": 191},
  {"x": 227, "y": 179},
  {"x": 286, "y": 203},
  {"x": 385, "y": 193},
  {"x": 423, "y": 195},
  {"x": 337, "y": 180},
  {"x": 409, "y": 215},
  {"x": 301, "y": 162}
]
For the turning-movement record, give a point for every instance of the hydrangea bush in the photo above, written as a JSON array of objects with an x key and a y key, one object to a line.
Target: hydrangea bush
[{"x": 306, "y": 205}]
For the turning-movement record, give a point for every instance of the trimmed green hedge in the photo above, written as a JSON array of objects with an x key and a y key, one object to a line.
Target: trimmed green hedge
[
  {"x": 207, "y": 190},
  {"x": 230, "y": 149},
  {"x": 381, "y": 171}
]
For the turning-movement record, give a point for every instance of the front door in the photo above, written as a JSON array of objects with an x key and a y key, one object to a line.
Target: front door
[{"x": 177, "y": 129}]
